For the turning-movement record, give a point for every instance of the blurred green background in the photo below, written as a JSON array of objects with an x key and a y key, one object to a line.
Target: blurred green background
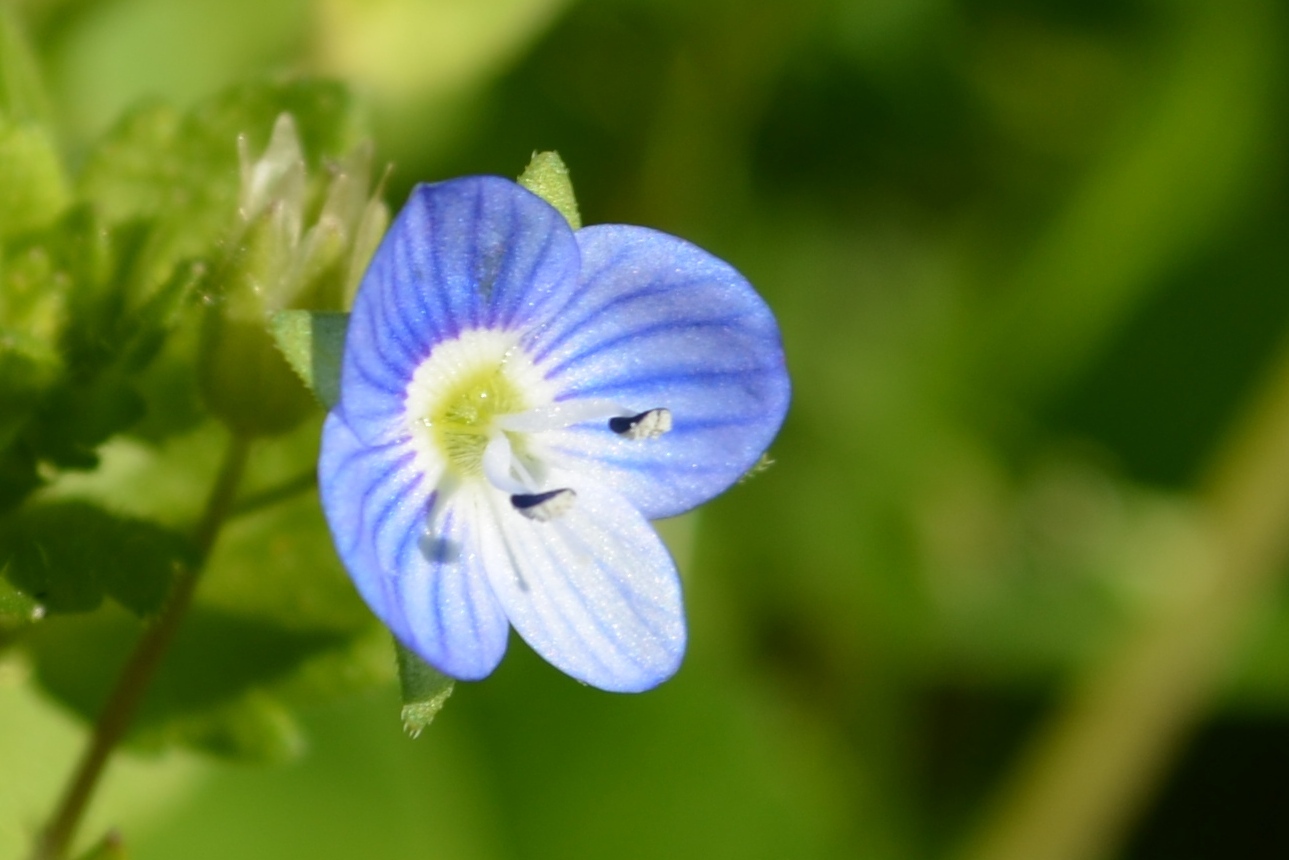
[{"x": 1012, "y": 589}]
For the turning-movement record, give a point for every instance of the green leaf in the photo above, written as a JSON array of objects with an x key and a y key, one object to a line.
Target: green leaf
[
  {"x": 17, "y": 610},
  {"x": 253, "y": 727},
  {"x": 272, "y": 584},
  {"x": 77, "y": 417},
  {"x": 314, "y": 344},
  {"x": 26, "y": 372},
  {"x": 33, "y": 188},
  {"x": 425, "y": 690},
  {"x": 548, "y": 178},
  {"x": 209, "y": 691},
  {"x": 68, "y": 555},
  {"x": 134, "y": 171}
]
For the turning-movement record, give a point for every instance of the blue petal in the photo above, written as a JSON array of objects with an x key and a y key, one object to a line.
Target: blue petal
[
  {"x": 477, "y": 252},
  {"x": 430, "y": 589},
  {"x": 593, "y": 591},
  {"x": 658, "y": 322}
]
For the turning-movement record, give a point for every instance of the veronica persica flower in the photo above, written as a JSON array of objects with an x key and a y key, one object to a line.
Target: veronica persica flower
[{"x": 517, "y": 401}]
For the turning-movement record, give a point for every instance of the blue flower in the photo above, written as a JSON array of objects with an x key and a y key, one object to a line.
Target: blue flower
[{"x": 517, "y": 401}]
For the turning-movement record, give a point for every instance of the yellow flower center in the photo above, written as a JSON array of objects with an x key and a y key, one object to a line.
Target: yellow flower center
[
  {"x": 460, "y": 391},
  {"x": 462, "y": 421}
]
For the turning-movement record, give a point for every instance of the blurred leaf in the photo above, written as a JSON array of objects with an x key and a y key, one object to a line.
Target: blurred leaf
[
  {"x": 547, "y": 176},
  {"x": 276, "y": 623},
  {"x": 33, "y": 189},
  {"x": 108, "y": 53},
  {"x": 134, "y": 171},
  {"x": 278, "y": 565},
  {"x": 425, "y": 690},
  {"x": 32, "y": 295},
  {"x": 68, "y": 555},
  {"x": 85, "y": 281},
  {"x": 416, "y": 48},
  {"x": 26, "y": 372},
  {"x": 253, "y": 727},
  {"x": 19, "y": 476},
  {"x": 22, "y": 96},
  {"x": 206, "y": 690},
  {"x": 170, "y": 470},
  {"x": 17, "y": 610},
  {"x": 1176, "y": 180},
  {"x": 78, "y": 417},
  {"x": 314, "y": 344}
]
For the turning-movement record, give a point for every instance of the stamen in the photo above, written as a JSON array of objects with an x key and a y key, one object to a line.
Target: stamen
[
  {"x": 646, "y": 425},
  {"x": 544, "y": 507},
  {"x": 561, "y": 414}
]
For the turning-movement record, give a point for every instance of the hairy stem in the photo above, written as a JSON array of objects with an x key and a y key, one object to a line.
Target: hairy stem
[{"x": 118, "y": 712}]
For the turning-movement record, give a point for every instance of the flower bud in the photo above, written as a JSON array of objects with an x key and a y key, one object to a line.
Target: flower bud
[{"x": 278, "y": 261}]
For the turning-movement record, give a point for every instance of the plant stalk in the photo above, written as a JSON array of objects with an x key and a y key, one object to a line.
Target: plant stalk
[
  {"x": 1093, "y": 766},
  {"x": 117, "y": 714}
]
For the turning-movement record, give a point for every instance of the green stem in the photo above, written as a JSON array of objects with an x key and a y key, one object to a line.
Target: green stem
[
  {"x": 1089, "y": 771},
  {"x": 271, "y": 496},
  {"x": 114, "y": 720}
]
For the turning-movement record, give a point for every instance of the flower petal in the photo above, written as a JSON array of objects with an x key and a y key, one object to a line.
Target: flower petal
[
  {"x": 658, "y": 322},
  {"x": 592, "y": 591},
  {"x": 430, "y": 589},
  {"x": 477, "y": 252}
]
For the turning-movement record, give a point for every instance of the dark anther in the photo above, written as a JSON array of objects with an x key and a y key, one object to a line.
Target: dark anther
[
  {"x": 544, "y": 507},
  {"x": 646, "y": 425}
]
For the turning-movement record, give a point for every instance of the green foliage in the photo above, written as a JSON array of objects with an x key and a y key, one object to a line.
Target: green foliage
[
  {"x": 114, "y": 309},
  {"x": 33, "y": 189},
  {"x": 209, "y": 690},
  {"x": 157, "y": 161},
  {"x": 67, "y": 556},
  {"x": 22, "y": 96},
  {"x": 17, "y": 610},
  {"x": 1028, "y": 262}
]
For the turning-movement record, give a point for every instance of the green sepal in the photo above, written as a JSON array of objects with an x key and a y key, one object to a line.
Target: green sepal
[
  {"x": 246, "y": 381},
  {"x": 314, "y": 344},
  {"x": 425, "y": 690},
  {"x": 547, "y": 176},
  {"x": 67, "y": 556}
]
